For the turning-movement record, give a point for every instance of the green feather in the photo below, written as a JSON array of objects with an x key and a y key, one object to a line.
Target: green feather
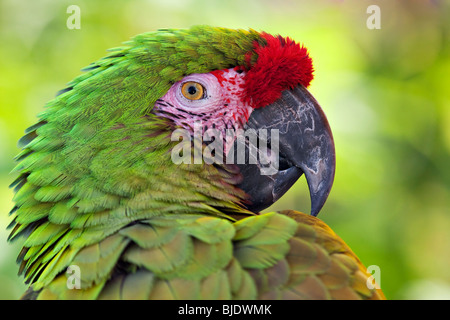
[
  {"x": 164, "y": 258},
  {"x": 216, "y": 286},
  {"x": 137, "y": 286}
]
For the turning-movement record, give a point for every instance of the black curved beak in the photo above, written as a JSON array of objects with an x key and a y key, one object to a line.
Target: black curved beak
[{"x": 299, "y": 140}]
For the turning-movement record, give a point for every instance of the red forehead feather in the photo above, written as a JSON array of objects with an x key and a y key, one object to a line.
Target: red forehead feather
[{"x": 281, "y": 64}]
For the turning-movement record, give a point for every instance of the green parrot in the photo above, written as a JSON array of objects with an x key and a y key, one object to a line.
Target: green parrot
[{"x": 114, "y": 203}]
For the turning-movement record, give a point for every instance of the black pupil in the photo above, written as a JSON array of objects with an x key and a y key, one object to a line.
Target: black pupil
[{"x": 192, "y": 90}]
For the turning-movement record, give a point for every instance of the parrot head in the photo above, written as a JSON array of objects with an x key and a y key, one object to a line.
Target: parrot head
[
  {"x": 102, "y": 150},
  {"x": 266, "y": 92}
]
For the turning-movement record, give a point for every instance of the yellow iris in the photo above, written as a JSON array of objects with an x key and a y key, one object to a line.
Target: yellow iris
[{"x": 192, "y": 90}]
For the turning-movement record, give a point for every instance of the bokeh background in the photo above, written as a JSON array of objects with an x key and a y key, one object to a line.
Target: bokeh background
[{"x": 386, "y": 93}]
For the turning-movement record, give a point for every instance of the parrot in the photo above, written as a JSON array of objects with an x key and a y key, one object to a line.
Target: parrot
[{"x": 110, "y": 204}]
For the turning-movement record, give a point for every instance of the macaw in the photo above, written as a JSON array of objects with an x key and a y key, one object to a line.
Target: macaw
[{"x": 108, "y": 211}]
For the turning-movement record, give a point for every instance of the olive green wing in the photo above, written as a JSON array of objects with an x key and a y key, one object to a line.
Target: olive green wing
[{"x": 286, "y": 255}]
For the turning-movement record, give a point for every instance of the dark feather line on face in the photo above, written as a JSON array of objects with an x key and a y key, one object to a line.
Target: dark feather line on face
[
  {"x": 169, "y": 115},
  {"x": 224, "y": 123},
  {"x": 186, "y": 113},
  {"x": 229, "y": 125}
]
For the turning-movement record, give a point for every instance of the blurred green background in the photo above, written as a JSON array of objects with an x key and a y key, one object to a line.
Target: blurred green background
[{"x": 386, "y": 93}]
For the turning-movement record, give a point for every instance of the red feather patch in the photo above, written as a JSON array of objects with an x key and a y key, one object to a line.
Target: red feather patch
[{"x": 281, "y": 64}]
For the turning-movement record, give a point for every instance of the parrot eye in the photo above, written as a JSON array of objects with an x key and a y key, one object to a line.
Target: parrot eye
[{"x": 193, "y": 90}]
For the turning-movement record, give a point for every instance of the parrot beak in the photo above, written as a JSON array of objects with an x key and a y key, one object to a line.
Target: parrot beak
[{"x": 299, "y": 141}]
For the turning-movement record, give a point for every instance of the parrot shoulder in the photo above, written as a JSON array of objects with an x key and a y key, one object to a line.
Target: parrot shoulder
[
  {"x": 321, "y": 264},
  {"x": 284, "y": 255}
]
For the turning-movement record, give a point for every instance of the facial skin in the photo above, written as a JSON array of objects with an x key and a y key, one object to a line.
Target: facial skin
[{"x": 215, "y": 99}]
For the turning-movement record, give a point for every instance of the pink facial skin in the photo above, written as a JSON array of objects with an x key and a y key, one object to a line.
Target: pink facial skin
[{"x": 221, "y": 108}]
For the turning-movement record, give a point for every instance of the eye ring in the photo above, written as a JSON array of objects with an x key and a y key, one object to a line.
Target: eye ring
[{"x": 192, "y": 90}]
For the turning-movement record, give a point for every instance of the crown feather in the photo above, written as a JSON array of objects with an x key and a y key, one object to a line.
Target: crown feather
[{"x": 281, "y": 64}]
